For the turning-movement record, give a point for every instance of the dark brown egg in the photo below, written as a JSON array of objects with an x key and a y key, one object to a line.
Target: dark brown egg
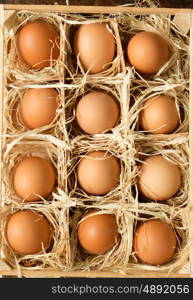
[
  {"x": 154, "y": 242},
  {"x": 95, "y": 45},
  {"x": 38, "y": 44},
  {"x": 159, "y": 115},
  {"x": 38, "y": 107},
  {"x": 33, "y": 177},
  {"x": 98, "y": 234},
  {"x": 97, "y": 112},
  {"x": 27, "y": 232},
  {"x": 98, "y": 172},
  {"x": 147, "y": 52}
]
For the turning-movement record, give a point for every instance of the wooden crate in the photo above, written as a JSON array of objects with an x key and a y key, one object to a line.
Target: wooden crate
[{"x": 7, "y": 10}]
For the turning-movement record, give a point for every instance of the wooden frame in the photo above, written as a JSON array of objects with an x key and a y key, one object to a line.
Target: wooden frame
[{"x": 112, "y": 10}]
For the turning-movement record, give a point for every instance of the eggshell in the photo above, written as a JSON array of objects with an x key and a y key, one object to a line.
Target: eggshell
[
  {"x": 155, "y": 242},
  {"x": 38, "y": 107},
  {"x": 33, "y": 177},
  {"x": 97, "y": 112},
  {"x": 159, "y": 115},
  {"x": 28, "y": 231},
  {"x": 98, "y": 173},
  {"x": 96, "y": 46},
  {"x": 159, "y": 179},
  {"x": 98, "y": 234},
  {"x": 38, "y": 44},
  {"x": 148, "y": 52}
]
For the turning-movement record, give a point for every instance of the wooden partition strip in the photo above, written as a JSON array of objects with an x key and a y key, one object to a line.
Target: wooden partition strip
[
  {"x": 97, "y": 9},
  {"x": 191, "y": 151},
  {"x": 1, "y": 96},
  {"x": 92, "y": 274}
]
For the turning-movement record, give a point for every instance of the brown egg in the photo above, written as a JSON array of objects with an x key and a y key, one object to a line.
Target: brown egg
[
  {"x": 27, "y": 232},
  {"x": 97, "y": 112},
  {"x": 159, "y": 179},
  {"x": 98, "y": 173},
  {"x": 38, "y": 107},
  {"x": 98, "y": 234},
  {"x": 38, "y": 44},
  {"x": 147, "y": 52},
  {"x": 155, "y": 242},
  {"x": 159, "y": 115},
  {"x": 33, "y": 177},
  {"x": 96, "y": 46}
]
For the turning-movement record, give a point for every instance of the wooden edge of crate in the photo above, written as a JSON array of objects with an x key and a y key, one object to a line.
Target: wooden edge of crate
[
  {"x": 1, "y": 92},
  {"x": 111, "y": 10},
  {"x": 97, "y": 9},
  {"x": 191, "y": 150},
  {"x": 91, "y": 274}
]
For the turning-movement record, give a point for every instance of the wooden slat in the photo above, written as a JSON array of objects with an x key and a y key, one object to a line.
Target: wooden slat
[
  {"x": 4, "y": 266},
  {"x": 97, "y": 9},
  {"x": 183, "y": 22},
  {"x": 92, "y": 274},
  {"x": 191, "y": 150},
  {"x": 1, "y": 99}
]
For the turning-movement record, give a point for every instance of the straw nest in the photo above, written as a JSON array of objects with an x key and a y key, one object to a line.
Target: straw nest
[
  {"x": 63, "y": 143},
  {"x": 15, "y": 69},
  {"x": 122, "y": 257}
]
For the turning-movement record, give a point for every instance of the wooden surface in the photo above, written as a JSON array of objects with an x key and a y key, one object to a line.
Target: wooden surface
[
  {"x": 163, "y": 3},
  {"x": 92, "y": 274},
  {"x": 28, "y": 273}
]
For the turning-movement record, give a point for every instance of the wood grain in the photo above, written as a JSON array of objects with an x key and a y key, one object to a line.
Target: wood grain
[
  {"x": 91, "y": 274},
  {"x": 163, "y": 3}
]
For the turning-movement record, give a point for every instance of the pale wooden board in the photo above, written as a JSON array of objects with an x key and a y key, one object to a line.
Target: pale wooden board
[
  {"x": 183, "y": 21},
  {"x": 191, "y": 151},
  {"x": 1, "y": 95},
  {"x": 97, "y": 9},
  {"x": 185, "y": 272},
  {"x": 91, "y": 274}
]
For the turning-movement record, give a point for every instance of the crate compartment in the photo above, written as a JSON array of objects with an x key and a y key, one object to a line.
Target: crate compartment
[
  {"x": 74, "y": 67},
  {"x": 57, "y": 257},
  {"x": 18, "y": 72}
]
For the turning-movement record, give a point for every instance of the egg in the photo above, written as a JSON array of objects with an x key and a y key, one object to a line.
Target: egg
[
  {"x": 97, "y": 112},
  {"x": 33, "y": 177},
  {"x": 159, "y": 115},
  {"x": 27, "y": 232},
  {"x": 38, "y": 44},
  {"x": 98, "y": 172},
  {"x": 95, "y": 45},
  {"x": 154, "y": 242},
  {"x": 159, "y": 179},
  {"x": 38, "y": 107},
  {"x": 148, "y": 52},
  {"x": 98, "y": 234}
]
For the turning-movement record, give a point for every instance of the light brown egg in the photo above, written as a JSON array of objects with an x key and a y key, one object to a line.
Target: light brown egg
[
  {"x": 97, "y": 112},
  {"x": 159, "y": 115},
  {"x": 38, "y": 44},
  {"x": 33, "y": 177},
  {"x": 38, "y": 107},
  {"x": 98, "y": 173},
  {"x": 147, "y": 52},
  {"x": 155, "y": 242},
  {"x": 159, "y": 179},
  {"x": 98, "y": 234},
  {"x": 96, "y": 46},
  {"x": 27, "y": 232}
]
